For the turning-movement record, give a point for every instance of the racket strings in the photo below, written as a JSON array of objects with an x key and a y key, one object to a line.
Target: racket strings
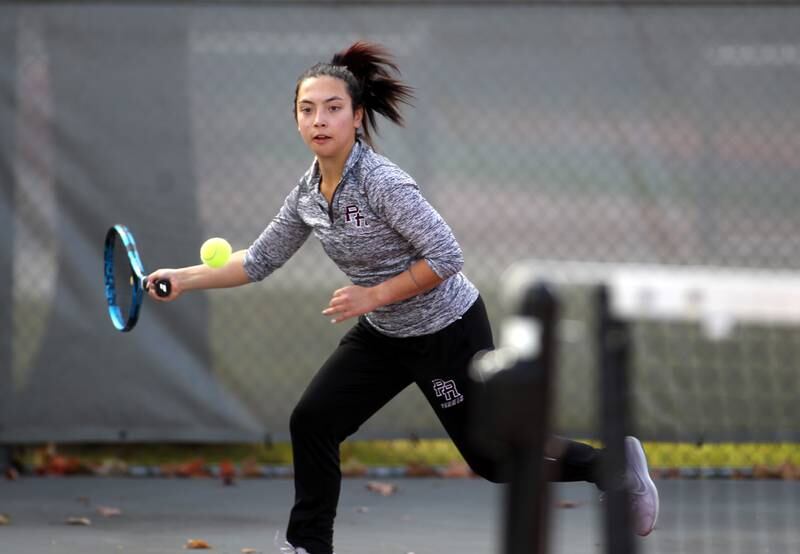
[{"x": 124, "y": 278}]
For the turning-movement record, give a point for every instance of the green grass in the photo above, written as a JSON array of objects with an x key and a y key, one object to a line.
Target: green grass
[{"x": 405, "y": 452}]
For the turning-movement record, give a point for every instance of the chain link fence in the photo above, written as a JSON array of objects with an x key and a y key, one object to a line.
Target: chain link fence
[{"x": 570, "y": 131}]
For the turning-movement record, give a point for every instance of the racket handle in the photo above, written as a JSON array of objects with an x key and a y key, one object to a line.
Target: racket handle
[{"x": 163, "y": 287}]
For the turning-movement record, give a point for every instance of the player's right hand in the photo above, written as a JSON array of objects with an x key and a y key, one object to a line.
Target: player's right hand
[{"x": 164, "y": 275}]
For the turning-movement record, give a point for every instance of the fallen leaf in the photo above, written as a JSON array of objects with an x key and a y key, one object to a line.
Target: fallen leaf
[
  {"x": 167, "y": 470},
  {"x": 417, "y": 469},
  {"x": 354, "y": 468},
  {"x": 789, "y": 472},
  {"x": 4, "y": 519},
  {"x": 110, "y": 466},
  {"x": 457, "y": 470},
  {"x": 251, "y": 468},
  {"x": 197, "y": 544},
  {"x": 227, "y": 472},
  {"x": 108, "y": 511},
  {"x": 55, "y": 464},
  {"x": 567, "y": 504},
  {"x": 79, "y": 521},
  {"x": 761, "y": 471},
  {"x": 193, "y": 468},
  {"x": 384, "y": 489},
  {"x": 672, "y": 473}
]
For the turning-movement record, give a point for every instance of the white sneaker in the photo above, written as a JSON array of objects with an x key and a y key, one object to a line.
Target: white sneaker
[
  {"x": 641, "y": 489},
  {"x": 289, "y": 549},
  {"x": 286, "y": 548}
]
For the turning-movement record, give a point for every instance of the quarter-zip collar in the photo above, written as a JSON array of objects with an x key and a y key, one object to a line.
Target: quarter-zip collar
[{"x": 315, "y": 177}]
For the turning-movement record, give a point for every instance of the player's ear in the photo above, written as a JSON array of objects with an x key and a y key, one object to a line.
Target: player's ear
[{"x": 358, "y": 117}]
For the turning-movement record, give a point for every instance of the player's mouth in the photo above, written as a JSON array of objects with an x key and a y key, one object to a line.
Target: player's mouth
[{"x": 321, "y": 139}]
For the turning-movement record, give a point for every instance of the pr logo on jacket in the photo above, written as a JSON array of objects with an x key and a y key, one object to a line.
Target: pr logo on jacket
[{"x": 352, "y": 213}]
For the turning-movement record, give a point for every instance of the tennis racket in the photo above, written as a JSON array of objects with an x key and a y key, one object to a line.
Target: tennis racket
[{"x": 125, "y": 278}]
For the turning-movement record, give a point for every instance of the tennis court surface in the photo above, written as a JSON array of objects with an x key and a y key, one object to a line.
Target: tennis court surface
[{"x": 423, "y": 516}]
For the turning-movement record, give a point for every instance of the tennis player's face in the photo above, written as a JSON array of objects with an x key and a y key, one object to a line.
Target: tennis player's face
[{"x": 325, "y": 116}]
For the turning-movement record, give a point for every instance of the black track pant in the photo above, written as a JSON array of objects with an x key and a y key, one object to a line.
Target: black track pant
[{"x": 364, "y": 373}]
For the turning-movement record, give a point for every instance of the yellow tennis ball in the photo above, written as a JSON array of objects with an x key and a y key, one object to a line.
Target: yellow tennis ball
[{"x": 215, "y": 252}]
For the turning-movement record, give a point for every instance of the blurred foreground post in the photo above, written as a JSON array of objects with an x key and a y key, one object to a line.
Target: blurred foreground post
[
  {"x": 8, "y": 178},
  {"x": 613, "y": 339},
  {"x": 513, "y": 415},
  {"x": 5, "y": 458}
]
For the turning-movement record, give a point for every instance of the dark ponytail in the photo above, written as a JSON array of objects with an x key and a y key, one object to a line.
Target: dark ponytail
[{"x": 367, "y": 69}]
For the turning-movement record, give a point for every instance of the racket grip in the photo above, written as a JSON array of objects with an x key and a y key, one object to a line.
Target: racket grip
[{"x": 163, "y": 286}]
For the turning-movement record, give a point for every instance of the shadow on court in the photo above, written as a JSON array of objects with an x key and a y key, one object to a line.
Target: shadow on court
[{"x": 424, "y": 516}]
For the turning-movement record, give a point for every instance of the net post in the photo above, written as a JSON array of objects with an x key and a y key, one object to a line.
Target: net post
[
  {"x": 6, "y": 460},
  {"x": 613, "y": 340},
  {"x": 513, "y": 415}
]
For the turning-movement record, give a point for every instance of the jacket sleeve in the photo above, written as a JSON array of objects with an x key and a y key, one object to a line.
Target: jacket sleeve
[
  {"x": 285, "y": 234},
  {"x": 395, "y": 197}
]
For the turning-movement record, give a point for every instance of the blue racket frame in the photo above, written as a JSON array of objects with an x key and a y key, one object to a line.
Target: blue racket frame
[{"x": 137, "y": 269}]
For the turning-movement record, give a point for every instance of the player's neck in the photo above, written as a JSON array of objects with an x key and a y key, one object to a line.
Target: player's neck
[
  {"x": 331, "y": 174},
  {"x": 331, "y": 170}
]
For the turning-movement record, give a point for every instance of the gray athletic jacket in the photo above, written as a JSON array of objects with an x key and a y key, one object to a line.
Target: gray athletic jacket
[{"x": 375, "y": 227}]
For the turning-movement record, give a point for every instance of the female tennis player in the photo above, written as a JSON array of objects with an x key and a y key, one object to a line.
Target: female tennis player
[{"x": 419, "y": 319}]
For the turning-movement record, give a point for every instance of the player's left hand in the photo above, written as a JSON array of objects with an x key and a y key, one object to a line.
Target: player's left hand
[{"x": 350, "y": 301}]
